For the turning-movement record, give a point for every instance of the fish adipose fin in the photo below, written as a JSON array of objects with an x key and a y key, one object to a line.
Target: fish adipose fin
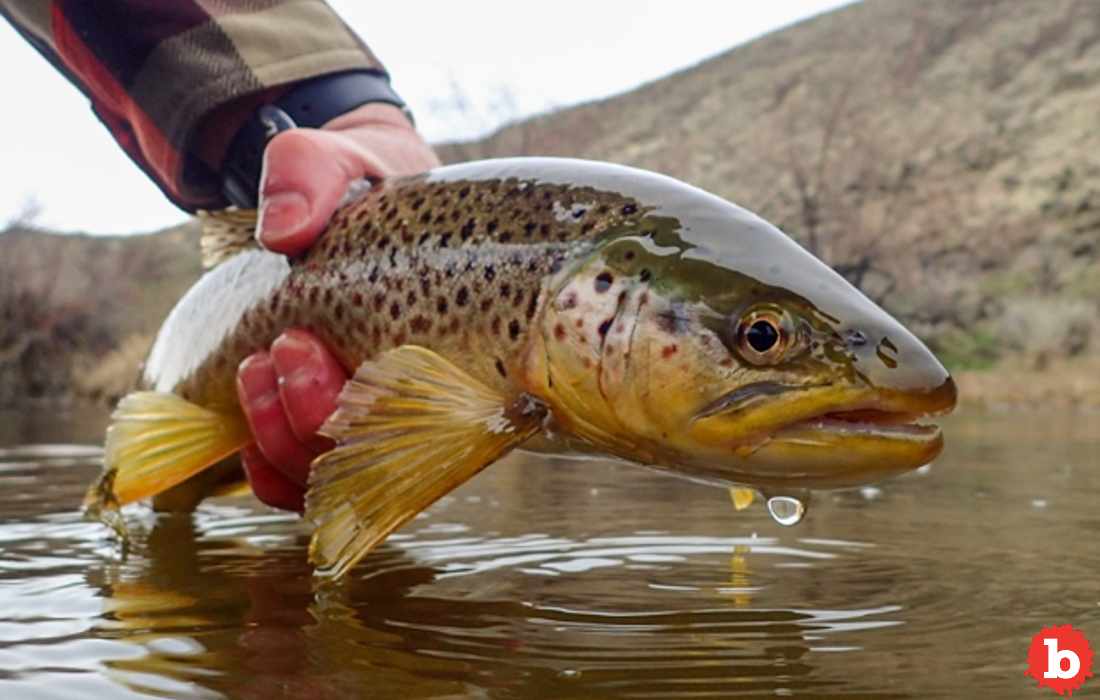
[
  {"x": 157, "y": 440},
  {"x": 226, "y": 233},
  {"x": 410, "y": 427}
]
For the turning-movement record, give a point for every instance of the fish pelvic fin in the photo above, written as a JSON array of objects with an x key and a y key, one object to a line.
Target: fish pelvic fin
[
  {"x": 410, "y": 427},
  {"x": 225, "y": 233},
  {"x": 158, "y": 440}
]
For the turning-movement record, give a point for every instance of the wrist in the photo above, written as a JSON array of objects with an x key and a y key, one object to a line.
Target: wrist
[
  {"x": 372, "y": 114},
  {"x": 332, "y": 101}
]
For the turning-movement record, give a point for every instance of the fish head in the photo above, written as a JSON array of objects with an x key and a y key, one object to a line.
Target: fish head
[{"x": 705, "y": 341}]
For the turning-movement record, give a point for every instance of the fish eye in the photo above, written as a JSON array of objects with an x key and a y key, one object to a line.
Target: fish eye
[{"x": 762, "y": 336}]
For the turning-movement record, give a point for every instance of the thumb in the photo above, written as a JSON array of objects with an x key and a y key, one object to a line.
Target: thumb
[{"x": 305, "y": 174}]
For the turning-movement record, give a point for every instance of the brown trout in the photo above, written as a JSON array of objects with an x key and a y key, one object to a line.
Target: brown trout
[{"x": 546, "y": 304}]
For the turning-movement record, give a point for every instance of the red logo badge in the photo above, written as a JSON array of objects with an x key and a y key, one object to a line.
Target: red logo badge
[{"x": 1059, "y": 658}]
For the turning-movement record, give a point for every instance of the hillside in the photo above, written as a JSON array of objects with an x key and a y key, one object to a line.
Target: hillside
[
  {"x": 943, "y": 155},
  {"x": 77, "y": 312}
]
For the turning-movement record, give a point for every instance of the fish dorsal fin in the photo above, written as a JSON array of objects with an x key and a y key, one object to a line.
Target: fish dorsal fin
[
  {"x": 225, "y": 233},
  {"x": 410, "y": 427}
]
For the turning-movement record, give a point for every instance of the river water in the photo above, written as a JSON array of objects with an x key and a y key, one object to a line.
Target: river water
[{"x": 557, "y": 579}]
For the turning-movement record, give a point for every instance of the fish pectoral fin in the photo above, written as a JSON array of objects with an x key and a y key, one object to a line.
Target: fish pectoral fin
[
  {"x": 225, "y": 233},
  {"x": 742, "y": 498},
  {"x": 156, "y": 441},
  {"x": 410, "y": 427}
]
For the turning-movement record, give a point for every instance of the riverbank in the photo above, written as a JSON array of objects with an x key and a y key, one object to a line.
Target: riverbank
[{"x": 1064, "y": 385}]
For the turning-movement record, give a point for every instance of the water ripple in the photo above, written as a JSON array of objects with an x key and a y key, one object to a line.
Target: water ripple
[{"x": 558, "y": 580}]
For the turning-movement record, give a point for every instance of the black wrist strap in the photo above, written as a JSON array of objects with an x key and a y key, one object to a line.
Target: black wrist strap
[{"x": 311, "y": 103}]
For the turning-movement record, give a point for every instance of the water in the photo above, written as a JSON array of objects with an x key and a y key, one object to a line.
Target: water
[{"x": 561, "y": 580}]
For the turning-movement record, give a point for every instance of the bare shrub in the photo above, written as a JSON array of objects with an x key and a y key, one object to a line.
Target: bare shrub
[
  {"x": 69, "y": 301},
  {"x": 40, "y": 328}
]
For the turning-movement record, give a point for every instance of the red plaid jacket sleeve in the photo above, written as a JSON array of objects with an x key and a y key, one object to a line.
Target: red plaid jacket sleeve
[{"x": 156, "y": 71}]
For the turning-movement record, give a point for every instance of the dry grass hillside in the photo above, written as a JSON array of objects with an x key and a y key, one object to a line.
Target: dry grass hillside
[{"x": 943, "y": 154}]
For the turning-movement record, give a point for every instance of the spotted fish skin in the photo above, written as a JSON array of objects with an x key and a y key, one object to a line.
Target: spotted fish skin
[
  {"x": 458, "y": 266},
  {"x": 617, "y": 298}
]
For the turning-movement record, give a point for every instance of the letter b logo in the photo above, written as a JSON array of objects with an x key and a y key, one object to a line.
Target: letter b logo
[
  {"x": 1059, "y": 658},
  {"x": 1055, "y": 656}
]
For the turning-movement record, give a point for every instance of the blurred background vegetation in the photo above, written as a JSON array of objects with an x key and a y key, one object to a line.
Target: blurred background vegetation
[{"x": 950, "y": 168}]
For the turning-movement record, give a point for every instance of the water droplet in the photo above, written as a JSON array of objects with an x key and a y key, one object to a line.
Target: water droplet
[
  {"x": 786, "y": 510},
  {"x": 569, "y": 673},
  {"x": 1039, "y": 503},
  {"x": 870, "y": 493}
]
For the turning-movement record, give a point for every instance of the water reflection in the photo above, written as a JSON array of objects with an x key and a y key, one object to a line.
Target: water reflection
[
  {"x": 559, "y": 580},
  {"x": 216, "y": 611}
]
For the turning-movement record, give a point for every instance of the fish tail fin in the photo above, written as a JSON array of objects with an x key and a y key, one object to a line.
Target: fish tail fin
[
  {"x": 226, "y": 233},
  {"x": 158, "y": 440}
]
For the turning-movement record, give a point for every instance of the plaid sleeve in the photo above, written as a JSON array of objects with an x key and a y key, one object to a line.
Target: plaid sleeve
[{"x": 155, "y": 70}]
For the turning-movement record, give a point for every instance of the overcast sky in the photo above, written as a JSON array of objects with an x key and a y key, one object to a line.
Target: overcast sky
[{"x": 54, "y": 151}]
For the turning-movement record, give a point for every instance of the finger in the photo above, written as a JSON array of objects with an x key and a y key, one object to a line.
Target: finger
[
  {"x": 310, "y": 380},
  {"x": 305, "y": 175},
  {"x": 269, "y": 484},
  {"x": 258, "y": 391}
]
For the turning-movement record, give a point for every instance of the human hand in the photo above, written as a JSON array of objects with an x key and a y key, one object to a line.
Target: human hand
[
  {"x": 307, "y": 171},
  {"x": 288, "y": 393}
]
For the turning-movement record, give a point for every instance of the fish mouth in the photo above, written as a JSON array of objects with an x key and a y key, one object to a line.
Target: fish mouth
[
  {"x": 775, "y": 408},
  {"x": 825, "y": 437},
  {"x": 870, "y": 422}
]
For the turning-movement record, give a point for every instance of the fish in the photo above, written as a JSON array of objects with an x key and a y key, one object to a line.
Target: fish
[{"x": 551, "y": 305}]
